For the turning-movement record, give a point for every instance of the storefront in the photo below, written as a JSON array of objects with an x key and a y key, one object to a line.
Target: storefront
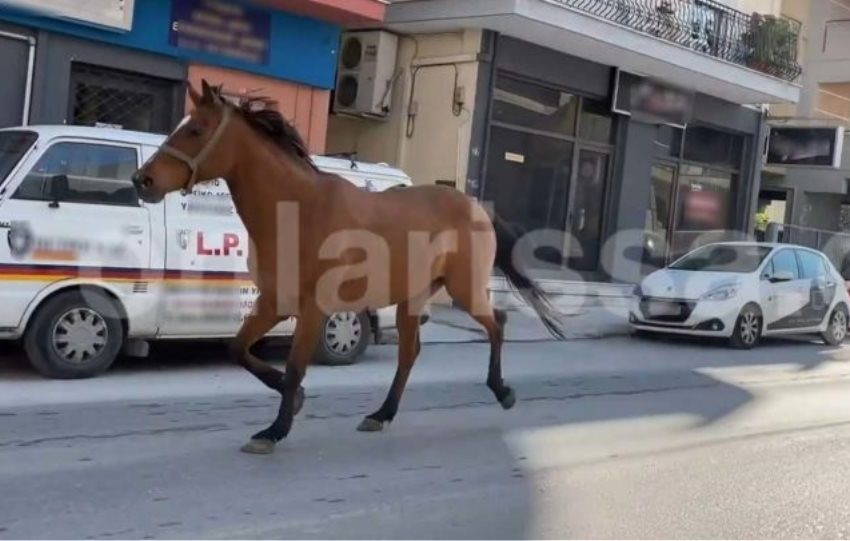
[
  {"x": 129, "y": 70},
  {"x": 559, "y": 158}
]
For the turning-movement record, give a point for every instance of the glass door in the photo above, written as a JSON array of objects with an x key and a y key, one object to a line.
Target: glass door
[
  {"x": 586, "y": 209},
  {"x": 528, "y": 178}
]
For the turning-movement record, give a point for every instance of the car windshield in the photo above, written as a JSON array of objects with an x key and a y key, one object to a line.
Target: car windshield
[
  {"x": 723, "y": 258},
  {"x": 13, "y": 145}
]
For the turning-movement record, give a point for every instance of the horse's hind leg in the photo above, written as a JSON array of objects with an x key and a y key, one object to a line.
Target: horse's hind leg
[
  {"x": 495, "y": 326},
  {"x": 407, "y": 322},
  {"x": 493, "y": 321}
]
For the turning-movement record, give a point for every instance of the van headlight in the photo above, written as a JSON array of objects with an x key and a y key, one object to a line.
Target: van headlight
[{"x": 721, "y": 293}]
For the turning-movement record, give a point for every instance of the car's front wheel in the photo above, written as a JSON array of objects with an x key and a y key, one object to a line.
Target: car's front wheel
[
  {"x": 748, "y": 328},
  {"x": 836, "y": 331}
]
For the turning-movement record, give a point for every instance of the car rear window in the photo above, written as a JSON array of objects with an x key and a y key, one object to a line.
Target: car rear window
[{"x": 723, "y": 258}]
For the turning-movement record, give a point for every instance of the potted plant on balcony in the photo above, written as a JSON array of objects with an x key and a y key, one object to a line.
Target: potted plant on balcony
[{"x": 770, "y": 45}]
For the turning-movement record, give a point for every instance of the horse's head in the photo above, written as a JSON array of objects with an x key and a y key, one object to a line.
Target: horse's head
[{"x": 192, "y": 153}]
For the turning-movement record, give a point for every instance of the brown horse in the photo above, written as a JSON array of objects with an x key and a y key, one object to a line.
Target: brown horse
[{"x": 321, "y": 245}]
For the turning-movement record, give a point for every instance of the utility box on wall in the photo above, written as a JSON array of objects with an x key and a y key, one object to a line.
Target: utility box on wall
[{"x": 366, "y": 73}]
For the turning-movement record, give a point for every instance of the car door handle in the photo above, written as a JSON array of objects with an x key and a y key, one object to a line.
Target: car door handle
[{"x": 134, "y": 229}]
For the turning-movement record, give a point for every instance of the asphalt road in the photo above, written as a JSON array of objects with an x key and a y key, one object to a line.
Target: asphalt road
[{"x": 610, "y": 438}]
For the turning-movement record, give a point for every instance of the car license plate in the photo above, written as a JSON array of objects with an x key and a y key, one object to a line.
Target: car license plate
[{"x": 664, "y": 309}]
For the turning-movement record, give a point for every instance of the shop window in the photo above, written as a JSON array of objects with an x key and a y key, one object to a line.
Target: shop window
[
  {"x": 82, "y": 173},
  {"x": 529, "y": 105},
  {"x": 705, "y": 199},
  {"x": 115, "y": 98},
  {"x": 713, "y": 147},
  {"x": 596, "y": 121}
]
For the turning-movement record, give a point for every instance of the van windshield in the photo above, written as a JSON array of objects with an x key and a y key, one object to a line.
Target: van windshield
[{"x": 13, "y": 145}]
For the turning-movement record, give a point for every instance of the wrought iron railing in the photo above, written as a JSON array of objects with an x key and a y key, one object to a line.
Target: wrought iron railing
[{"x": 763, "y": 42}]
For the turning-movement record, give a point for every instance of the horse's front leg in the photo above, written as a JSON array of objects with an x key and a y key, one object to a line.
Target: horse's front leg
[
  {"x": 255, "y": 326},
  {"x": 307, "y": 332}
]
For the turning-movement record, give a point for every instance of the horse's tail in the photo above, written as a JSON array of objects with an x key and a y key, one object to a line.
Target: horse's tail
[{"x": 507, "y": 238}]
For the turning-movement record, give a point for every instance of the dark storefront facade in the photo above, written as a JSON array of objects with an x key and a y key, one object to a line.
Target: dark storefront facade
[{"x": 620, "y": 196}]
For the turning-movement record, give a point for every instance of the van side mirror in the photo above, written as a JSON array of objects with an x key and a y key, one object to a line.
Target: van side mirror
[{"x": 58, "y": 190}]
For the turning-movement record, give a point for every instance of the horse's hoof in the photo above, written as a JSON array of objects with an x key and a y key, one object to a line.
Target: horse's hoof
[
  {"x": 370, "y": 425},
  {"x": 508, "y": 400},
  {"x": 258, "y": 447}
]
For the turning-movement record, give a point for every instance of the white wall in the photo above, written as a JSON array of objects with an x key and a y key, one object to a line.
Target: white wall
[
  {"x": 826, "y": 58},
  {"x": 433, "y": 144}
]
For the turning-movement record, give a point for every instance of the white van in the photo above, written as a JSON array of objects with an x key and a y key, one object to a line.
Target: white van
[{"x": 86, "y": 268}]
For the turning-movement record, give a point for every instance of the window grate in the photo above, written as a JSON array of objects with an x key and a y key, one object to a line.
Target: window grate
[{"x": 114, "y": 98}]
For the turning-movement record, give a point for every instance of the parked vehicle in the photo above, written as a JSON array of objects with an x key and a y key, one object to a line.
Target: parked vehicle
[
  {"x": 743, "y": 291},
  {"x": 87, "y": 268}
]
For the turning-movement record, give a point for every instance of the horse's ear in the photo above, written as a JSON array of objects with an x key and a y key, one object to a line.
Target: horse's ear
[
  {"x": 208, "y": 93},
  {"x": 194, "y": 95}
]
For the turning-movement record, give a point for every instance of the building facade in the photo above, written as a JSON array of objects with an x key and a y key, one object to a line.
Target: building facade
[
  {"x": 627, "y": 131},
  {"x": 125, "y": 63},
  {"x": 814, "y": 197}
]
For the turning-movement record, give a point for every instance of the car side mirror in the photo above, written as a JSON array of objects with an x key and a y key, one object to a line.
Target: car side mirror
[
  {"x": 58, "y": 190},
  {"x": 781, "y": 276}
]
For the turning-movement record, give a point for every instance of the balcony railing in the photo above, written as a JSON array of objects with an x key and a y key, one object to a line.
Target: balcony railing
[{"x": 762, "y": 42}]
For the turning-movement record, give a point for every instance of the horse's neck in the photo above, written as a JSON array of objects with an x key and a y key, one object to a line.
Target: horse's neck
[{"x": 263, "y": 179}]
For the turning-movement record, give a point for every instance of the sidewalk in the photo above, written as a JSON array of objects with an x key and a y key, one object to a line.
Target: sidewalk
[{"x": 582, "y": 318}]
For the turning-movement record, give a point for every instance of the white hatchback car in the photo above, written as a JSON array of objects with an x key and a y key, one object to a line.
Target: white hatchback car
[{"x": 743, "y": 291}]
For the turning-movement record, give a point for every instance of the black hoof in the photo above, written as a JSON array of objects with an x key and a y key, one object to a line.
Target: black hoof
[
  {"x": 508, "y": 399},
  {"x": 370, "y": 425}
]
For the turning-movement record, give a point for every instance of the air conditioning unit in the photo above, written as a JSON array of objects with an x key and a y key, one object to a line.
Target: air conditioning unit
[{"x": 365, "y": 73}]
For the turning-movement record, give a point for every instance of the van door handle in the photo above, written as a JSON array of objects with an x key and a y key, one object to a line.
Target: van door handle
[{"x": 134, "y": 229}]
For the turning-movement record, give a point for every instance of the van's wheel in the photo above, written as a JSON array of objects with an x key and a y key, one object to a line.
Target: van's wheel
[
  {"x": 345, "y": 336},
  {"x": 836, "y": 331},
  {"x": 76, "y": 334},
  {"x": 748, "y": 328}
]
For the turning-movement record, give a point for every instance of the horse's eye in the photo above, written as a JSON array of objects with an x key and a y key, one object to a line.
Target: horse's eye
[{"x": 195, "y": 131}]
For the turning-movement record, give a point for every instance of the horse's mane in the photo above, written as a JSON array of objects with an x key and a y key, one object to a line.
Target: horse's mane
[{"x": 270, "y": 123}]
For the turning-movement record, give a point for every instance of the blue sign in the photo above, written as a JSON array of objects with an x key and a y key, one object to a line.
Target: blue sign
[
  {"x": 299, "y": 49},
  {"x": 222, "y": 28}
]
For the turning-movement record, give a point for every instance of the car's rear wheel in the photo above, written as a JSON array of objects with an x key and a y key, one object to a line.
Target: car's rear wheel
[
  {"x": 345, "y": 336},
  {"x": 748, "y": 328},
  {"x": 836, "y": 330}
]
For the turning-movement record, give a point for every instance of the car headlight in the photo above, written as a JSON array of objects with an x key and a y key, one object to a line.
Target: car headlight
[{"x": 721, "y": 293}]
